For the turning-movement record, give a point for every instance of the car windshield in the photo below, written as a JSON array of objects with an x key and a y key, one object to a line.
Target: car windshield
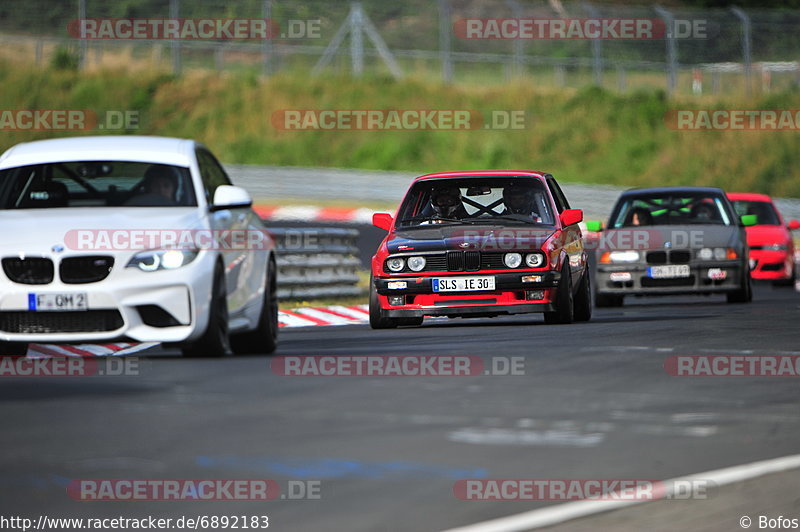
[
  {"x": 765, "y": 212},
  {"x": 680, "y": 208},
  {"x": 477, "y": 200},
  {"x": 96, "y": 184}
]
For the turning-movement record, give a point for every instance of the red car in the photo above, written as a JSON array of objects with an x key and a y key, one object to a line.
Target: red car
[
  {"x": 477, "y": 244},
  {"x": 770, "y": 240}
]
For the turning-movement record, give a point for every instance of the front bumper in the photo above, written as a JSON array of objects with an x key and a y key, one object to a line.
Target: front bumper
[
  {"x": 775, "y": 265},
  {"x": 129, "y": 305},
  {"x": 509, "y": 297},
  {"x": 640, "y": 283}
]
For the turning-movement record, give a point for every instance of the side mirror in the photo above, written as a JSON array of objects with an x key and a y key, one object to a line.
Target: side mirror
[
  {"x": 794, "y": 225},
  {"x": 595, "y": 226},
  {"x": 571, "y": 217},
  {"x": 749, "y": 219},
  {"x": 383, "y": 220},
  {"x": 230, "y": 197}
]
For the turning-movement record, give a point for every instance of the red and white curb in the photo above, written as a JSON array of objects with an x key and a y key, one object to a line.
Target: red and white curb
[
  {"x": 86, "y": 350},
  {"x": 310, "y": 213},
  {"x": 333, "y": 315}
]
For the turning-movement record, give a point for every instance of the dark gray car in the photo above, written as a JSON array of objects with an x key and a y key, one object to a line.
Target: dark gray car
[{"x": 672, "y": 240}]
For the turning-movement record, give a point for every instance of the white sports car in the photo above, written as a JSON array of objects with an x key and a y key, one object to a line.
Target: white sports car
[{"x": 131, "y": 238}]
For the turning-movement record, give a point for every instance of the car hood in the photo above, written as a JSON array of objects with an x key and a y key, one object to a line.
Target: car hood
[
  {"x": 766, "y": 235},
  {"x": 436, "y": 238},
  {"x": 656, "y": 237},
  {"x": 37, "y": 231}
]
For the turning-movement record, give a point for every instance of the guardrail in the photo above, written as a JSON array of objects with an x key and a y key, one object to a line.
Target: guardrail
[{"x": 316, "y": 262}]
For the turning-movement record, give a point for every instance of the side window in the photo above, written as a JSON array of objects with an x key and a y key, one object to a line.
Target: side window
[
  {"x": 211, "y": 172},
  {"x": 558, "y": 196}
]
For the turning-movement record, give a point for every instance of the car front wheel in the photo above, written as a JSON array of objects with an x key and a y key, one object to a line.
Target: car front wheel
[
  {"x": 13, "y": 349},
  {"x": 215, "y": 341},
  {"x": 264, "y": 339},
  {"x": 565, "y": 305},
  {"x": 376, "y": 321},
  {"x": 583, "y": 300}
]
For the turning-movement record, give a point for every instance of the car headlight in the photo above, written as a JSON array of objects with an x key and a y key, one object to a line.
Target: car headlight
[
  {"x": 624, "y": 256},
  {"x": 720, "y": 253},
  {"x": 512, "y": 260},
  {"x": 162, "y": 259},
  {"x": 705, "y": 254},
  {"x": 534, "y": 260},
  {"x": 416, "y": 264},
  {"x": 395, "y": 264},
  {"x": 776, "y": 247}
]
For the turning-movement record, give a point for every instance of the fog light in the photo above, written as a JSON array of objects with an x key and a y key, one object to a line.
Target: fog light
[
  {"x": 396, "y": 285},
  {"x": 396, "y": 300},
  {"x": 620, "y": 276},
  {"x": 531, "y": 278},
  {"x": 534, "y": 295}
]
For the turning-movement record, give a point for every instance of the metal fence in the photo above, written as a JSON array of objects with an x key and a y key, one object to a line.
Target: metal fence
[
  {"x": 702, "y": 50},
  {"x": 316, "y": 262}
]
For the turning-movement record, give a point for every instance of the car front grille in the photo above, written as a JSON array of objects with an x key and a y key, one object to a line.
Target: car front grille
[
  {"x": 455, "y": 261},
  {"x": 81, "y": 270},
  {"x": 462, "y": 261},
  {"x": 675, "y": 256},
  {"x": 27, "y": 322},
  {"x": 32, "y": 270}
]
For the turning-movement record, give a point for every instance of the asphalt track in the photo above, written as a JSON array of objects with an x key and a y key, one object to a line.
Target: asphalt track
[{"x": 594, "y": 402}]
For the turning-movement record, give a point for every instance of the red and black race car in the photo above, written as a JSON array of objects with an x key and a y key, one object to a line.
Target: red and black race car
[{"x": 477, "y": 244}]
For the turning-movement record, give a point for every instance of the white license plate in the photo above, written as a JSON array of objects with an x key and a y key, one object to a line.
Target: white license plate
[
  {"x": 670, "y": 271},
  {"x": 462, "y": 284},
  {"x": 62, "y": 301}
]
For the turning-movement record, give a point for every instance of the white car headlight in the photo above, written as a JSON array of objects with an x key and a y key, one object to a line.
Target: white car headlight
[
  {"x": 534, "y": 260},
  {"x": 720, "y": 253},
  {"x": 395, "y": 264},
  {"x": 705, "y": 254},
  {"x": 624, "y": 256},
  {"x": 512, "y": 260},
  {"x": 416, "y": 264},
  {"x": 162, "y": 259}
]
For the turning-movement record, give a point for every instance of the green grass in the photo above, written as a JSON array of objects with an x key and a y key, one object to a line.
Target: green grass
[{"x": 589, "y": 135}]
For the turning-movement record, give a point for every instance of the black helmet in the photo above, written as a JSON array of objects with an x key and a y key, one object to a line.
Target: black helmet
[
  {"x": 446, "y": 201},
  {"x": 517, "y": 199}
]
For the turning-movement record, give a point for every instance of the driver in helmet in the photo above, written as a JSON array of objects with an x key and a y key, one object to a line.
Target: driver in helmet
[
  {"x": 519, "y": 200},
  {"x": 446, "y": 203}
]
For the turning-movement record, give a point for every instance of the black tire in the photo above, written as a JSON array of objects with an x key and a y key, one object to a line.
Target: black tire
[
  {"x": 745, "y": 293},
  {"x": 215, "y": 341},
  {"x": 375, "y": 319},
  {"x": 608, "y": 300},
  {"x": 565, "y": 304},
  {"x": 583, "y": 299},
  {"x": 264, "y": 339},
  {"x": 13, "y": 349}
]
